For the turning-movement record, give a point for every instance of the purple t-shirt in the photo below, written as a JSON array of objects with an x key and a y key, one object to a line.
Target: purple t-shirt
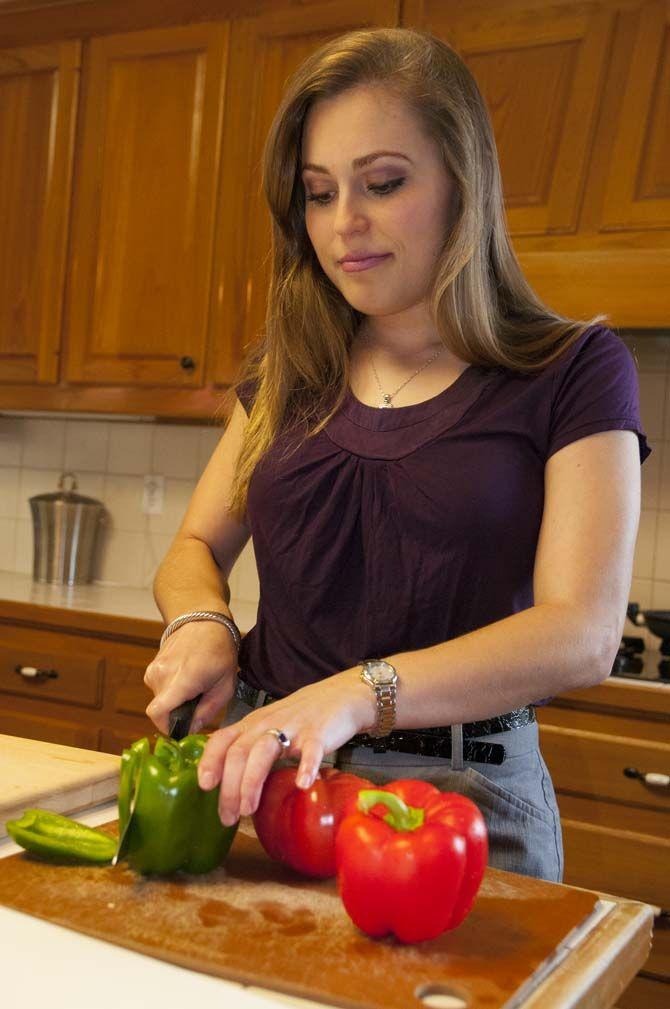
[{"x": 394, "y": 530}]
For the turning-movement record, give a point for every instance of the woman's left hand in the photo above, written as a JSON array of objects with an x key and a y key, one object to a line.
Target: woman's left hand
[{"x": 317, "y": 719}]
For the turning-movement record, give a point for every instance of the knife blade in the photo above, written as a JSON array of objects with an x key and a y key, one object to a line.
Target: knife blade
[
  {"x": 179, "y": 723},
  {"x": 131, "y": 810}
]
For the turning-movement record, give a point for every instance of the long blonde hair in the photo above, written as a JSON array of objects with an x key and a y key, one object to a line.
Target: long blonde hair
[{"x": 484, "y": 310}]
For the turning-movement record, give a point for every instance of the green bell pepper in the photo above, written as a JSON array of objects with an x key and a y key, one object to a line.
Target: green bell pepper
[
  {"x": 59, "y": 839},
  {"x": 175, "y": 824}
]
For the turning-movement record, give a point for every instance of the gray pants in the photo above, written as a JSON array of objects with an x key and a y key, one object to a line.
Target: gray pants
[{"x": 516, "y": 797}]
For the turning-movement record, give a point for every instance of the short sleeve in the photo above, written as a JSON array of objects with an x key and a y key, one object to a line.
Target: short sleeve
[
  {"x": 246, "y": 393},
  {"x": 595, "y": 388}
]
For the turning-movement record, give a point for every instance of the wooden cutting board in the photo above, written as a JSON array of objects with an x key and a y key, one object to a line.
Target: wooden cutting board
[
  {"x": 62, "y": 778},
  {"x": 258, "y": 923}
]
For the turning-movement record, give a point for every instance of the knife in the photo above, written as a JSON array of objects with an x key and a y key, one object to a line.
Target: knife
[{"x": 179, "y": 723}]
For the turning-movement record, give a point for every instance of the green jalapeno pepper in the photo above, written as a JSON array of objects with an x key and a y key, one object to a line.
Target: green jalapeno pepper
[
  {"x": 59, "y": 839},
  {"x": 175, "y": 824}
]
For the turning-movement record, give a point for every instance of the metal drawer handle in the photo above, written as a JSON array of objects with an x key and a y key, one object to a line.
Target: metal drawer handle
[
  {"x": 31, "y": 673},
  {"x": 649, "y": 778}
]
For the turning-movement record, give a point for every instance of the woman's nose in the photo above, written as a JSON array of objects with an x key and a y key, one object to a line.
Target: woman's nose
[{"x": 349, "y": 216}]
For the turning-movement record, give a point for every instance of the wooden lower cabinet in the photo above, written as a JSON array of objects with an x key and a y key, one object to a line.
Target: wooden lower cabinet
[
  {"x": 83, "y": 690},
  {"x": 616, "y": 828},
  {"x": 75, "y": 689}
]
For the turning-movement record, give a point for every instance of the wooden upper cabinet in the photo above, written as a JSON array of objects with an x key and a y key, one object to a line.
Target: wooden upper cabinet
[
  {"x": 264, "y": 51},
  {"x": 579, "y": 97},
  {"x": 540, "y": 68},
  {"x": 38, "y": 99},
  {"x": 637, "y": 188},
  {"x": 144, "y": 206}
]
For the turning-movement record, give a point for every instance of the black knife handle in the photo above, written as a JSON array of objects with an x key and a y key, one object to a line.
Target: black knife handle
[{"x": 179, "y": 720}]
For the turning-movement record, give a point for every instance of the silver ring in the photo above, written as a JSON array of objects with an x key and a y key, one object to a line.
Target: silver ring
[{"x": 281, "y": 737}]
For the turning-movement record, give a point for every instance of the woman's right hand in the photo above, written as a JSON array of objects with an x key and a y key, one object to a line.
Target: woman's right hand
[{"x": 200, "y": 657}]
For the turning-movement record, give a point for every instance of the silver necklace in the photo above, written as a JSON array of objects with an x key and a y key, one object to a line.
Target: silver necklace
[{"x": 388, "y": 396}]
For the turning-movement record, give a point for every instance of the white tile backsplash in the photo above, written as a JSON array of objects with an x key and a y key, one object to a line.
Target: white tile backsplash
[
  {"x": 652, "y": 403},
  {"x": 110, "y": 459},
  {"x": 120, "y": 558},
  {"x": 177, "y": 496},
  {"x": 9, "y": 491},
  {"x": 123, "y": 500},
  {"x": 23, "y": 558},
  {"x": 176, "y": 450},
  {"x": 43, "y": 444},
  {"x": 130, "y": 448},
  {"x": 86, "y": 446},
  {"x": 8, "y": 543},
  {"x": 11, "y": 441}
]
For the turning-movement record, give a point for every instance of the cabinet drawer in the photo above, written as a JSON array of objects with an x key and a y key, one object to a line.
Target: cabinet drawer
[
  {"x": 130, "y": 694},
  {"x": 592, "y": 763},
  {"x": 67, "y": 676},
  {"x": 619, "y": 862},
  {"x": 50, "y": 730}
]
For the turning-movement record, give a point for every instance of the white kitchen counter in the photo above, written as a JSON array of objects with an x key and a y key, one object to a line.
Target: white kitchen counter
[{"x": 114, "y": 600}]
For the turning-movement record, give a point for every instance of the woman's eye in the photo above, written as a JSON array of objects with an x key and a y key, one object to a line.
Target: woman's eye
[{"x": 383, "y": 189}]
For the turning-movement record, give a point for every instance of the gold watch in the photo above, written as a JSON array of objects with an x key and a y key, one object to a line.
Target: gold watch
[{"x": 383, "y": 678}]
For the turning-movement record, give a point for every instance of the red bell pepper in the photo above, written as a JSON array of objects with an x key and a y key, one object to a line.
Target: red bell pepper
[
  {"x": 297, "y": 826},
  {"x": 410, "y": 860}
]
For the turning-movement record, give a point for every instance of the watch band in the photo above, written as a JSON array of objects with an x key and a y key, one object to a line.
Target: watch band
[{"x": 385, "y": 694}]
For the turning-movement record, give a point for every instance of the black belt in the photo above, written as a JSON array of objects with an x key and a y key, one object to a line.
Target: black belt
[{"x": 432, "y": 742}]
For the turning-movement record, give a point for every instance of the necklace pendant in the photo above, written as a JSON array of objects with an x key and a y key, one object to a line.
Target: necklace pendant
[{"x": 386, "y": 401}]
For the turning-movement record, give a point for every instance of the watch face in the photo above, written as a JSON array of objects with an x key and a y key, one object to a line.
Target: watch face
[{"x": 381, "y": 671}]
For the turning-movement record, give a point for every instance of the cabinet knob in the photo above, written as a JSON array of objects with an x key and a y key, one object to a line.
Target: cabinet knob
[
  {"x": 187, "y": 363},
  {"x": 32, "y": 673},
  {"x": 649, "y": 777}
]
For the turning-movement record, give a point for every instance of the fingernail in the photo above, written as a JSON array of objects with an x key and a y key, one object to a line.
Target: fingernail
[
  {"x": 206, "y": 779},
  {"x": 245, "y": 807},
  {"x": 303, "y": 780},
  {"x": 228, "y": 818}
]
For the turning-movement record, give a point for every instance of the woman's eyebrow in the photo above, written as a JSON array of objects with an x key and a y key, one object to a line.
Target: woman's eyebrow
[{"x": 358, "y": 162}]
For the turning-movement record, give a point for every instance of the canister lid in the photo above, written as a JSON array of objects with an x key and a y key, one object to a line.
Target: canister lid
[{"x": 68, "y": 496}]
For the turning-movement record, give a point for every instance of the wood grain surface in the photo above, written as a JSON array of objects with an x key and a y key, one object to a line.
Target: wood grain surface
[
  {"x": 256, "y": 922},
  {"x": 61, "y": 778}
]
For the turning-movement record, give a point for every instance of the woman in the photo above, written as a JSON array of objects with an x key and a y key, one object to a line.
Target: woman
[{"x": 425, "y": 456}]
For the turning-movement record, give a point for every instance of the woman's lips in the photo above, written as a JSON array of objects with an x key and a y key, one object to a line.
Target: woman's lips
[{"x": 355, "y": 265}]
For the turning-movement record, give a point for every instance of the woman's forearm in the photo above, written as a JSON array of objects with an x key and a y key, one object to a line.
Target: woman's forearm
[
  {"x": 190, "y": 579},
  {"x": 540, "y": 652}
]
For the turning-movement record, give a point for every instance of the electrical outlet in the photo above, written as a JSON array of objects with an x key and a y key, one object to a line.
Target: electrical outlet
[{"x": 154, "y": 492}]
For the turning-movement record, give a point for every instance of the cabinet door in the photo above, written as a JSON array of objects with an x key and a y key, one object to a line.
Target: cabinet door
[
  {"x": 541, "y": 70},
  {"x": 144, "y": 206},
  {"x": 637, "y": 193},
  {"x": 38, "y": 97},
  {"x": 264, "y": 51}
]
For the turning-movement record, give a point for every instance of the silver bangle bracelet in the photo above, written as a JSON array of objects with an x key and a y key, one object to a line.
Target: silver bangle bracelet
[{"x": 186, "y": 618}]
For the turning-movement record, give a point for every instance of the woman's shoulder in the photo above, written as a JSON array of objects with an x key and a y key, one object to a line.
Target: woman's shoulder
[{"x": 598, "y": 346}]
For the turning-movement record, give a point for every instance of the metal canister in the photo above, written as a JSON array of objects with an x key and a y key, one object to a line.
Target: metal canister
[{"x": 65, "y": 528}]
